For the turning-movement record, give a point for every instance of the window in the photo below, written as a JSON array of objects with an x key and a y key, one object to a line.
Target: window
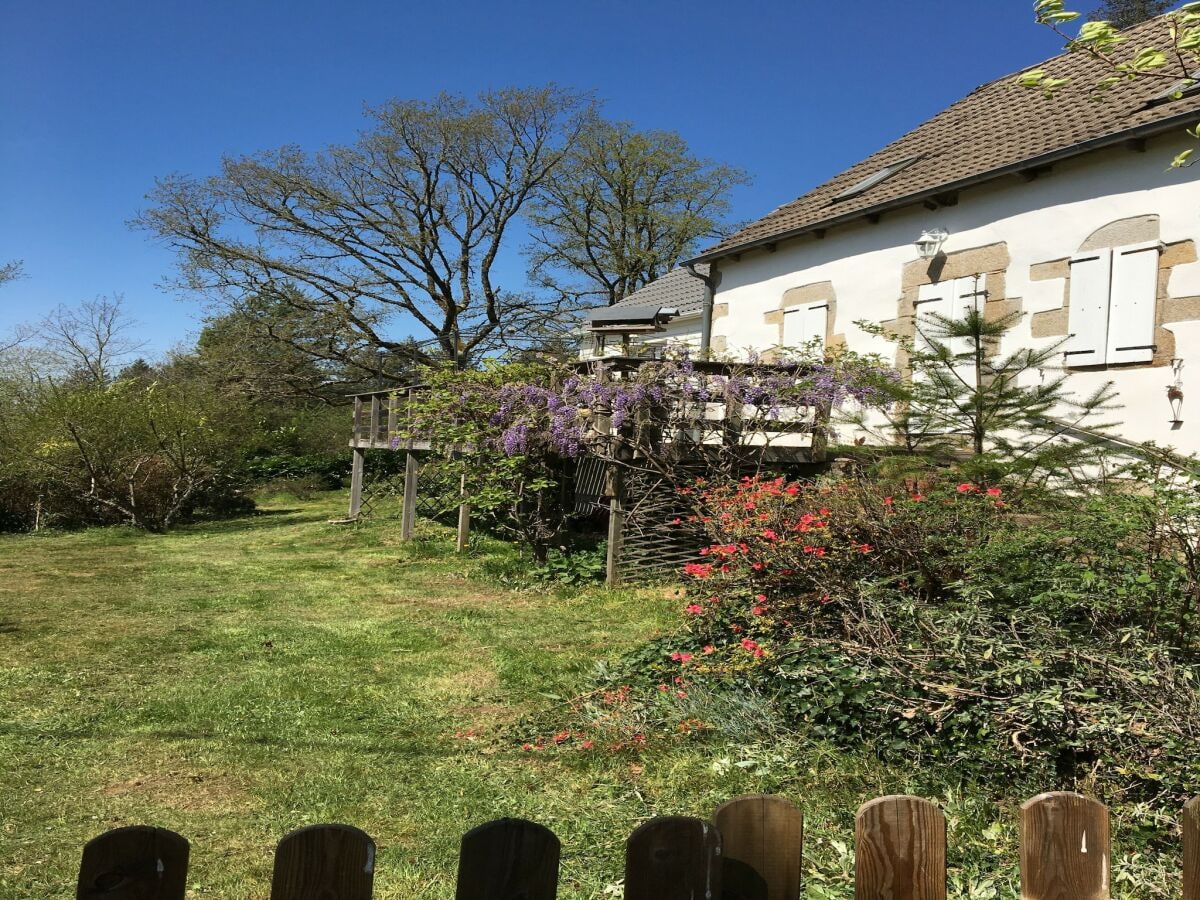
[
  {"x": 1110, "y": 314},
  {"x": 951, "y": 299},
  {"x": 806, "y": 324},
  {"x": 870, "y": 181}
]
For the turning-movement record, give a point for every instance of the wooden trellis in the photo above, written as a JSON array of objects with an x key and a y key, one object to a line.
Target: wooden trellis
[{"x": 753, "y": 849}]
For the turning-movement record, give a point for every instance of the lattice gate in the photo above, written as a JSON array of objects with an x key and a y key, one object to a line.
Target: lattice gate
[{"x": 658, "y": 537}]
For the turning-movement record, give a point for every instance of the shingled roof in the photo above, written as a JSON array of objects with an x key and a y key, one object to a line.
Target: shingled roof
[
  {"x": 678, "y": 289},
  {"x": 998, "y": 129}
]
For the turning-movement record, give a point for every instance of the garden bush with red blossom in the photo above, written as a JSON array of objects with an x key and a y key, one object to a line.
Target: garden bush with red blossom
[{"x": 937, "y": 622}]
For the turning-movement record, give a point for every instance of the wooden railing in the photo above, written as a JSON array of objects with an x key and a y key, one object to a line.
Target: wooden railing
[
  {"x": 751, "y": 850},
  {"x": 381, "y": 417}
]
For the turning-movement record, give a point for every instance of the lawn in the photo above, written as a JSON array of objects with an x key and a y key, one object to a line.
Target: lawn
[{"x": 233, "y": 681}]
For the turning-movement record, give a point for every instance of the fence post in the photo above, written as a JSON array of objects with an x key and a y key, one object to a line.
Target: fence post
[
  {"x": 762, "y": 838},
  {"x": 324, "y": 862},
  {"x": 356, "y": 481},
  {"x": 1064, "y": 847},
  {"x": 1191, "y": 849},
  {"x": 900, "y": 850},
  {"x": 464, "y": 516},
  {"x": 508, "y": 859},
  {"x": 673, "y": 858},
  {"x": 408, "y": 514},
  {"x": 616, "y": 523},
  {"x": 135, "y": 863}
]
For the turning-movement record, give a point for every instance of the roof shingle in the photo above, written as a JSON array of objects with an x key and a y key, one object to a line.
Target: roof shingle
[
  {"x": 678, "y": 289},
  {"x": 997, "y": 128}
]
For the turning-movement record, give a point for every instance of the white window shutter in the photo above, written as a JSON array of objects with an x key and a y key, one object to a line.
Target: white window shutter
[
  {"x": 1133, "y": 299},
  {"x": 805, "y": 324},
  {"x": 1087, "y": 310},
  {"x": 970, "y": 294},
  {"x": 793, "y": 327},
  {"x": 816, "y": 318},
  {"x": 932, "y": 299}
]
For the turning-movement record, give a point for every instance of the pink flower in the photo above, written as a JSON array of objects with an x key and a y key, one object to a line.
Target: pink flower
[
  {"x": 757, "y": 610},
  {"x": 749, "y": 644},
  {"x": 587, "y": 745},
  {"x": 966, "y": 487},
  {"x": 709, "y": 648},
  {"x": 698, "y": 570},
  {"x": 994, "y": 492},
  {"x": 694, "y": 608}
]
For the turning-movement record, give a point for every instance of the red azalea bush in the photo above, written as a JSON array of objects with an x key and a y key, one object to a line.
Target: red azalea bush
[
  {"x": 936, "y": 622},
  {"x": 789, "y": 556}
]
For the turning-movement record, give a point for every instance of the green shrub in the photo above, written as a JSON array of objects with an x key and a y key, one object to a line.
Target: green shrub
[{"x": 946, "y": 628}]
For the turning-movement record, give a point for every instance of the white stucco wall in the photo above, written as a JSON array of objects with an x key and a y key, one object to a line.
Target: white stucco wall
[{"x": 1039, "y": 221}]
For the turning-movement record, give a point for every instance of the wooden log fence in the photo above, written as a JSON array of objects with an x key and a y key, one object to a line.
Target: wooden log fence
[{"x": 752, "y": 850}]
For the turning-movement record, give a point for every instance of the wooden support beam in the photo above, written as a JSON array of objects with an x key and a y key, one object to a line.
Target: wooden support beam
[
  {"x": 408, "y": 515},
  {"x": 616, "y": 523},
  {"x": 374, "y": 419},
  {"x": 356, "y": 482},
  {"x": 464, "y": 517},
  {"x": 358, "y": 416},
  {"x": 392, "y": 401}
]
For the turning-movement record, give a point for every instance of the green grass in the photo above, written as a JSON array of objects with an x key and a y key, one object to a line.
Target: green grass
[{"x": 233, "y": 681}]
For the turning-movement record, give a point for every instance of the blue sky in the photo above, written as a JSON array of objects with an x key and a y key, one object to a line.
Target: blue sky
[{"x": 99, "y": 99}]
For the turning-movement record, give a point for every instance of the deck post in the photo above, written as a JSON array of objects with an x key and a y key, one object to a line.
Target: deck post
[
  {"x": 408, "y": 516},
  {"x": 374, "y": 419},
  {"x": 464, "y": 516},
  {"x": 356, "y": 482},
  {"x": 818, "y": 450},
  {"x": 616, "y": 523}
]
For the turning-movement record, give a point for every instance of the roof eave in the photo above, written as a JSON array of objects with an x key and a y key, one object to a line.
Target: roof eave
[{"x": 1146, "y": 130}]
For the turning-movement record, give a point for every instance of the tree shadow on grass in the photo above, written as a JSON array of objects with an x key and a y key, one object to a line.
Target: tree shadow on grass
[{"x": 264, "y": 518}]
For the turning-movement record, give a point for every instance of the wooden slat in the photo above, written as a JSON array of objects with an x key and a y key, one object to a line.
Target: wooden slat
[
  {"x": 765, "y": 834},
  {"x": 1064, "y": 848},
  {"x": 673, "y": 858},
  {"x": 135, "y": 863},
  {"x": 900, "y": 850},
  {"x": 324, "y": 862},
  {"x": 508, "y": 859},
  {"x": 1191, "y": 849}
]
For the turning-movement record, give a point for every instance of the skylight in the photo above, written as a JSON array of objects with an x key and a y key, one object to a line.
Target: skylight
[
  {"x": 871, "y": 180},
  {"x": 1183, "y": 88}
]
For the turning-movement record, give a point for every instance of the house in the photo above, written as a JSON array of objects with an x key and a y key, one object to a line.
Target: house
[
  {"x": 667, "y": 311},
  {"x": 1063, "y": 208}
]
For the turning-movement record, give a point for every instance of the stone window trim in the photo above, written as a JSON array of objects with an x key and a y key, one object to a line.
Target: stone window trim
[
  {"x": 806, "y": 295},
  {"x": 990, "y": 260},
  {"x": 1052, "y": 323}
]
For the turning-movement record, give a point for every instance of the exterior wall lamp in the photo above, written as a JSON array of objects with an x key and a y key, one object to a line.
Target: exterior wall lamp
[{"x": 930, "y": 242}]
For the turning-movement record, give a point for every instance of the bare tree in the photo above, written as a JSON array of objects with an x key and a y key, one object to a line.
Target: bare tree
[
  {"x": 11, "y": 271},
  {"x": 394, "y": 236},
  {"x": 622, "y": 209},
  {"x": 89, "y": 340}
]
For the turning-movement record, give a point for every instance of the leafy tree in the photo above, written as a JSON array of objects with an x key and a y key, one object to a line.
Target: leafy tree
[
  {"x": 398, "y": 232},
  {"x": 1011, "y": 412},
  {"x": 1123, "y": 13},
  {"x": 622, "y": 208}
]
